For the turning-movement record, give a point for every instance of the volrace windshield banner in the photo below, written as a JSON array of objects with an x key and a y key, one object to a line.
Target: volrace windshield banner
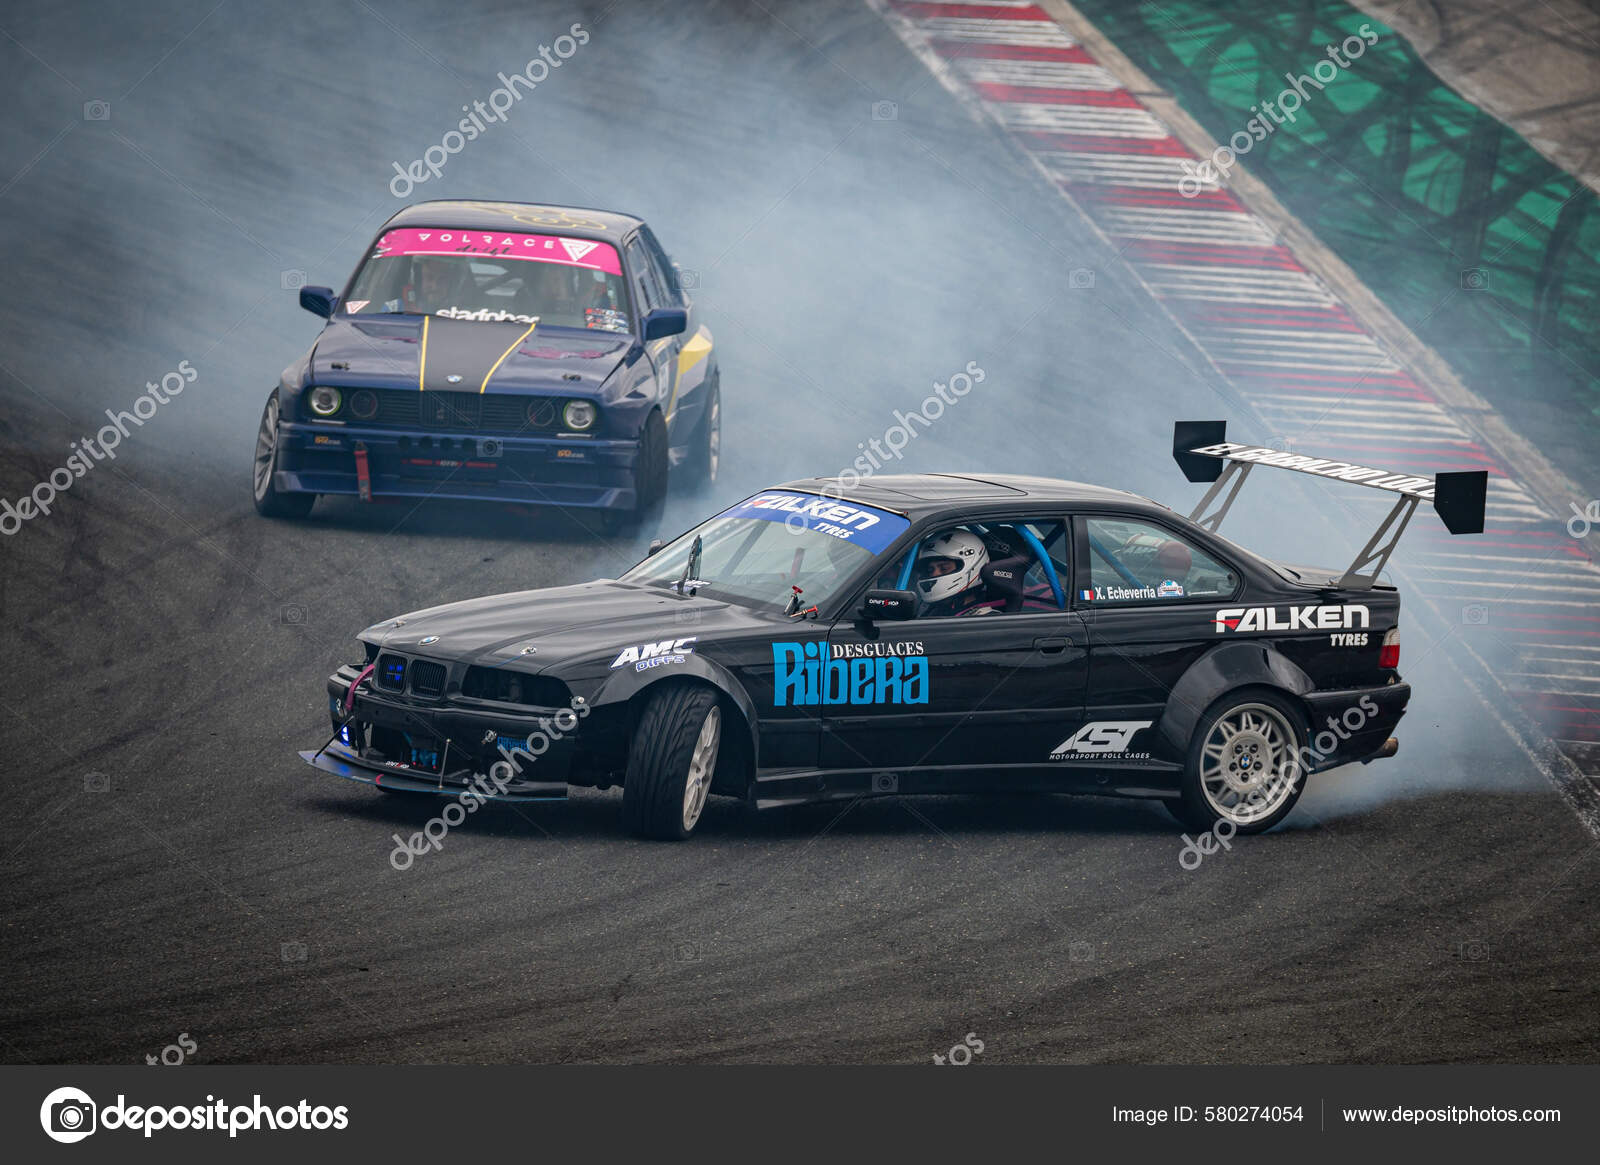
[
  {"x": 500, "y": 245},
  {"x": 866, "y": 526}
]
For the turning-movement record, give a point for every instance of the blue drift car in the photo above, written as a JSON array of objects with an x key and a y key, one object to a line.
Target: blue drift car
[{"x": 497, "y": 351}]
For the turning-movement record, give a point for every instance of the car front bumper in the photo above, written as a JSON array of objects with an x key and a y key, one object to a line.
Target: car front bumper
[
  {"x": 584, "y": 472},
  {"x": 451, "y": 748}
]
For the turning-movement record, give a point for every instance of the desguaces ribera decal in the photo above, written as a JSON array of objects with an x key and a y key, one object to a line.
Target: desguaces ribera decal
[{"x": 849, "y": 673}]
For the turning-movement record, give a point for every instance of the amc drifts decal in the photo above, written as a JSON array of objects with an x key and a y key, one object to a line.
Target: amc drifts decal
[{"x": 803, "y": 673}]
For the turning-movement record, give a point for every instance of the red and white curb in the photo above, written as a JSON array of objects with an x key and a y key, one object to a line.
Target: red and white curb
[{"x": 1278, "y": 334}]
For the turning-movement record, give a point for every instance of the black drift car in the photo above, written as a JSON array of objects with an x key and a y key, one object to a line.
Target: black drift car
[{"x": 925, "y": 633}]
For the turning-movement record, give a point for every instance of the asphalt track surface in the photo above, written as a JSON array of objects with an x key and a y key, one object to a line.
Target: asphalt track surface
[{"x": 161, "y": 636}]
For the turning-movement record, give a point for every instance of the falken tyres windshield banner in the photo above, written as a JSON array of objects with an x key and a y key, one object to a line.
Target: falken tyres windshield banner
[{"x": 865, "y": 526}]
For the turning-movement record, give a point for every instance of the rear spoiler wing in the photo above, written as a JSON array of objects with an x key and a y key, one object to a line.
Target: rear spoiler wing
[{"x": 1203, "y": 452}]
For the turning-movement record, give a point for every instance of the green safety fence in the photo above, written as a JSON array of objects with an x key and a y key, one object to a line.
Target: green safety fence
[{"x": 1488, "y": 251}]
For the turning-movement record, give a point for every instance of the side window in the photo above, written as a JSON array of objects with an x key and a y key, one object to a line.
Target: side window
[
  {"x": 1139, "y": 562},
  {"x": 666, "y": 274},
  {"x": 984, "y": 568},
  {"x": 644, "y": 280}
]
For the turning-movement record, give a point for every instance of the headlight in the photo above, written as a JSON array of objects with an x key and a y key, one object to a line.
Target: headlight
[
  {"x": 578, "y": 415},
  {"x": 541, "y": 413},
  {"x": 364, "y": 404},
  {"x": 326, "y": 401}
]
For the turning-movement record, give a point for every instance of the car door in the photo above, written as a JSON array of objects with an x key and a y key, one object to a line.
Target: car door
[
  {"x": 649, "y": 295},
  {"x": 952, "y": 691},
  {"x": 1148, "y": 595},
  {"x": 684, "y": 402}
]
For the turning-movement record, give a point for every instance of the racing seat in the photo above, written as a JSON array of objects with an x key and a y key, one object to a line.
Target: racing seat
[{"x": 1002, "y": 580}]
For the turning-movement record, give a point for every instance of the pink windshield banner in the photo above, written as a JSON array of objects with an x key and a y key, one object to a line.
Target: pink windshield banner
[{"x": 501, "y": 245}]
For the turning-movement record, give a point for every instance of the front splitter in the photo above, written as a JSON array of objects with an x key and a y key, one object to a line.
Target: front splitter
[{"x": 452, "y": 785}]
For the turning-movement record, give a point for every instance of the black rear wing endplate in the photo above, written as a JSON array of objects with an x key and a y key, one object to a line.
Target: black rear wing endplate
[{"x": 1203, "y": 452}]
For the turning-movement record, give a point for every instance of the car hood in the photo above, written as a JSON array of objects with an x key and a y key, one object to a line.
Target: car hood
[
  {"x": 388, "y": 352},
  {"x": 561, "y": 624}
]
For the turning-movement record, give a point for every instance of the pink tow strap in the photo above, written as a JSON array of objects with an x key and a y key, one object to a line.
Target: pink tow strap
[
  {"x": 363, "y": 473},
  {"x": 350, "y": 693}
]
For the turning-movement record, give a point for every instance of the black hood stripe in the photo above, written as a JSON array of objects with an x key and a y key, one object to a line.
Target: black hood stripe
[
  {"x": 469, "y": 349},
  {"x": 493, "y": 368}
]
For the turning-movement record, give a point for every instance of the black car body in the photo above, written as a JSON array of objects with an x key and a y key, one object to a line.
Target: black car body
[
  {"x": 558, "y": 361},
  {"x": 1095, "y": 669}
]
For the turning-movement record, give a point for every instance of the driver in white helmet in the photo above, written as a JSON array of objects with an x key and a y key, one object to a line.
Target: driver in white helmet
[{"x": 946, "y": 578}]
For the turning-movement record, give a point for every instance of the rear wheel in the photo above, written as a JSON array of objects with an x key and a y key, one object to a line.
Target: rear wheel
[
  {"x": 705, "y": 451},
  {"x": 269, "y": 501},
  {"x": 1244, "y": 764},
  {"x": 672, "y": 760}
]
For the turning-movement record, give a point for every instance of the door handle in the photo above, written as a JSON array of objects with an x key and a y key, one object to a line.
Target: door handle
[{"x": 1052, "y": 644}]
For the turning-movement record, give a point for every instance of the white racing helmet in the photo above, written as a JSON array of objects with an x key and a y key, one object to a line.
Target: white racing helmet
[{"x": 948, "y": 565}]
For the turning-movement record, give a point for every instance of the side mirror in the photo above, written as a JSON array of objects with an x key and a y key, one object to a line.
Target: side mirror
[
  {"x": 659, "y": 322},
  {"x": 655, "y": 545},
  {"x": 318, "y": 301},
  {"x": 889, "y": 605}
]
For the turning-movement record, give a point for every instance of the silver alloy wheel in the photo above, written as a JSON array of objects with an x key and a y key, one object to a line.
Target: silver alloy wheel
[
  {"x": 702, "y": 765},
  {"x": 714, "y": 438},
  {"x": 1248, "y": 765},
  {"x": 266, "y": 449}
]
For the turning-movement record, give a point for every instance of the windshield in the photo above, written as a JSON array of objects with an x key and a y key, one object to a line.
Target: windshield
[
  {"x": 478, "y": 275},
  {"x": 754, "y": 553}
]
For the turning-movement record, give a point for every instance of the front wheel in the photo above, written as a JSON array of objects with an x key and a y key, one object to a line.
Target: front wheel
[
  {"x": 671, "y": 761},
  {"x": 1244, "y": 764},
  {"x": 650, "y": 470},
  {"x": 270, "y": 501}
]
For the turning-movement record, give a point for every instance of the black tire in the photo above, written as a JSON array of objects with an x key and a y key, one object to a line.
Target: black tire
[
  {"x": 705, "y": 449},
  {"x": 656, "y": 794},
  {"x": 263, "y": 489},
  {"x": 649, "y": 478},
  {"x": 650, "y": 471},
  {"x": 1280, "y": 737}
]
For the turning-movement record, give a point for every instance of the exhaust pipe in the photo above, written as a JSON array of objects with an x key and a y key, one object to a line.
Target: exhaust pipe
[{"x": 1390, "y": 747}]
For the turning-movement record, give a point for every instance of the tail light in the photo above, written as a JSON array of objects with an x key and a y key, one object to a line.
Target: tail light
[{"x": 1389, "y": 653}]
